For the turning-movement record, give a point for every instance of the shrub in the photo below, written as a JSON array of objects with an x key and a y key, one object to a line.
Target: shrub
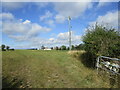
[
  {"x": 63, "y": 47},
  {"x": 3, "y": 47},
  {"x": 102, "y": 41},
  {"x": 7, "y": 47}
]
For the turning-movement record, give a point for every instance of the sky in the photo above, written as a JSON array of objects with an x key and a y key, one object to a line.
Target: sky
[{"x": 32, "y": 24}]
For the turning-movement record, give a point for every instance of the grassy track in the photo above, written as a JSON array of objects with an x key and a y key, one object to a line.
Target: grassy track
[{"x": 47, "y": 69}]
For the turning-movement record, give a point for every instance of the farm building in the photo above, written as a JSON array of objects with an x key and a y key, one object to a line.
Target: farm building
[{"x": 47, "y": 49}]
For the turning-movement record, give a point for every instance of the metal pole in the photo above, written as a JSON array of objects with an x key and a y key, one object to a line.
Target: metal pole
[{"x": 69, "y": 32}]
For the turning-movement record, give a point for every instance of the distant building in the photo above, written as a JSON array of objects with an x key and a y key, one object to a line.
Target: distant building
[{"x": 47, "y": 49}]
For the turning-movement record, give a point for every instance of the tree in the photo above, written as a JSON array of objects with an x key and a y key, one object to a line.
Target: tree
[
  {"x": 102, "y": 41},
  {"x": 68, "y": 48},
  {"x": 59, "y": 48},
  {"x": 79, "y": 47},
  {"x": 73, "y": 48},
  {"x": 42, "y": 47},
  {"x": 3, "y": 47},
  {"x": 7, "y": 47},
  {"x": 51, "y": 47},
  {"x": 56, "y": 48},
  {"x": 63, "y": 47}
]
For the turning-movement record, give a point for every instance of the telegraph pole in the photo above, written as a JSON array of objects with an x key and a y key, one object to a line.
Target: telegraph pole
[{"x": 69, "y": 32}]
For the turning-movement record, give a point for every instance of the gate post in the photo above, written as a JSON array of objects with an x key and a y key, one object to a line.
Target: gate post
[{"x": 97, "y": 64}]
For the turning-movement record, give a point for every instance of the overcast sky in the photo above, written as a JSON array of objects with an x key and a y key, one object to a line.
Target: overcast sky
[{"x": 26, "y": 25}]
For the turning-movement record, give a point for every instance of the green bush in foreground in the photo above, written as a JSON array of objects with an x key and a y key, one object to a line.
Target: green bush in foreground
[{"x": 102, "y": 41}]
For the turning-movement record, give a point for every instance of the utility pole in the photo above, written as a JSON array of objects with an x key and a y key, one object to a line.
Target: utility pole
[{"x": 69, "y": 26}]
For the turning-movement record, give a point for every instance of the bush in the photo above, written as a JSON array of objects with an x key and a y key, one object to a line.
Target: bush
[
  {"x": 56, "y": 48},
  {"x": 7, "y": 47},
  {"x": 63, "y": 47},
  {"x": 88, "y": 59},
  {"x": 79, "y": 47},
  {"x": 102, "y": 41},
  {"x": 3, "y": 47}
]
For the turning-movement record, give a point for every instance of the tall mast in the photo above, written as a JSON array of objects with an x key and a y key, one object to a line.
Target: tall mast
[{"x": 69, "y": 25}]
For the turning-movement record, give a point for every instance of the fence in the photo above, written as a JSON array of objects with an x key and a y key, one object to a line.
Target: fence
[{"x": 108, "y": 64}]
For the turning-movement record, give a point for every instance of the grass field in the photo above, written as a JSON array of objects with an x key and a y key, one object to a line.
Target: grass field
[{"x": 47, "y": 69}]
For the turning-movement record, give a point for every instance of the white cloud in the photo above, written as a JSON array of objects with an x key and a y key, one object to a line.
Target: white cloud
[
  {"x": 56, "y": 1},
  {"x": 51, "y": 39},
  {"x": 65, "y": 36},
  {"x": 26, "y": 21},
  {"x": 29, "y": 30},
  {"x": 60, "y": 39},
  {"x": 41, "y": 4},
  {"x": 74, "y": 10},
  {"x": 47, "y": 15},
  {"x": 21, "y": 20},
  {"x": 12, "y": 5},
  {"x": 17, "y": 4},
  {"x": 59, "y": 18},
  {"x": 48, "y": 18},
  {"x": 19, "y": 38},
  {"x": 50, "y": 22},
  {"x": 102, "y": 3},
  {"x": 64, "y": 10},
  {"x": 14, "y": 27},
  {"x": 6, "y": 16},
  {"x": 63, "y": 39},
  {"x": 22, "y": 30},
  {"x": 110, "y": 18}
]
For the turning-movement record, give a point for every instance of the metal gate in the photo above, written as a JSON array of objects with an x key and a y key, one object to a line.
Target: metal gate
[{"x": 108, "y": 64}]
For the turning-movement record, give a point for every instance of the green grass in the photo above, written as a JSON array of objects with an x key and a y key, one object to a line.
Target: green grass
[{"x": 47, "y": 69}]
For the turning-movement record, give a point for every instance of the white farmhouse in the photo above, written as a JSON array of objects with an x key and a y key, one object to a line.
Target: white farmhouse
[{"x": 47, "y": 49}]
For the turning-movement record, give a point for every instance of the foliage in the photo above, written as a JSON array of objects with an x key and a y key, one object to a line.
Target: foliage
[
  {"x": 73, "y": 47},
  {"x": 102, "y": 41},
  {"x": 3, "y": 47},
  {"x": 42, "y": 47},
  {"x": 7, "y": 47},
  {"x": 79, "y": 47},
  {"x": 56, "y": 48},
  {"x": 68, "y": 48},
  {"x": 63, "y": 47},
  {"x": 31, "y": 49},
  {"x": 12, "y": 49},
  {"x": 51, "y": 47},
  {"x": 59, "y": 48}
]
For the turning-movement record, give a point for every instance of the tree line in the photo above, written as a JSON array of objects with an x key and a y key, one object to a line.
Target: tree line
[
  {"x": 63, "y": 47},
  {"x": 6, "y": 48}
]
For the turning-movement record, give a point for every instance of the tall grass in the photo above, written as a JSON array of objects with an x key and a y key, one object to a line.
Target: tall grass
[
  {"x": 88, "y": 60},
  {"x": 47, "y": 69}
]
